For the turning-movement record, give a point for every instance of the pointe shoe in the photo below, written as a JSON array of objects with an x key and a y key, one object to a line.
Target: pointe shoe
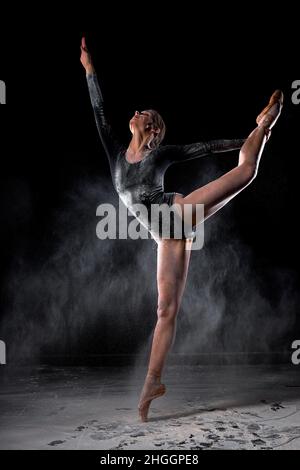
[
  {"x": 268, "y": 117},
  {"x": 144, "y": 405}
]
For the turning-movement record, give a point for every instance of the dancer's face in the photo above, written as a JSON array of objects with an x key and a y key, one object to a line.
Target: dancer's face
[{"x": 141, "y": 121}]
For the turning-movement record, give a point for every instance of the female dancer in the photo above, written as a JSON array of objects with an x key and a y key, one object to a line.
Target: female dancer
[{"x": 137, "y": 174}]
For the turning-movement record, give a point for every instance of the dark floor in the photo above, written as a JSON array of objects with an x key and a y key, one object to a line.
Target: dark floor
[{"x": 206, "y": 407}]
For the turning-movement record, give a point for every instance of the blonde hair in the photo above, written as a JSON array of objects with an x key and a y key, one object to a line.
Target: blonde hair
[{"x": 158, "y": 123}]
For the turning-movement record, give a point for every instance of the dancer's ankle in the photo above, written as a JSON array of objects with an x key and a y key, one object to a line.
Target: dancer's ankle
[{"x": 153, "y": 376}]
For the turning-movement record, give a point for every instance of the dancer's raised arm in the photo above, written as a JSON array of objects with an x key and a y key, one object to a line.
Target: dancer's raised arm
[{"x": 108, "y": 139}]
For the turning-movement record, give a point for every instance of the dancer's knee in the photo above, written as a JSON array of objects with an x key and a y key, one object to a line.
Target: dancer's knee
[{"x": 167, "y": 310}]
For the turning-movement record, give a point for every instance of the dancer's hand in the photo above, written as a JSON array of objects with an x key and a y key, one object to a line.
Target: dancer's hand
[{"x": 85, "y": 58}]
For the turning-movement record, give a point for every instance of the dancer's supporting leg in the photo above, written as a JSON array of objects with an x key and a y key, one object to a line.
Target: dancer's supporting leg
[{"x": 173, "y": 256}]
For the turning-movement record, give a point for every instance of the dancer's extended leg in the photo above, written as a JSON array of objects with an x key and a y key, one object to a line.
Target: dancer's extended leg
[{"x": 216, "y": 194}]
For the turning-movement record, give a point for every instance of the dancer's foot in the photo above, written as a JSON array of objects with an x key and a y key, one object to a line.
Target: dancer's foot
[
  {"x": 269, "y": 116},
  {"x": 152, "y": 389}
]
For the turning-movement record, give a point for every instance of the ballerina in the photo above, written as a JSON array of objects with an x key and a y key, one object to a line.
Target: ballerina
[{"x": 138, "y": 177}]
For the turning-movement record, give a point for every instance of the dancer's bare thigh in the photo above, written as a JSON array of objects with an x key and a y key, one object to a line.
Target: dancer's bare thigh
[{"x": 173, "y": 257}]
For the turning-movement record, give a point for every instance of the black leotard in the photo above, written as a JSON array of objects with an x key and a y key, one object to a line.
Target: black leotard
[{"x": 143, "y": 182}]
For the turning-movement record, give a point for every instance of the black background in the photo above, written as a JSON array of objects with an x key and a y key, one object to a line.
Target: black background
[{"x": 205, "y": 85}]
